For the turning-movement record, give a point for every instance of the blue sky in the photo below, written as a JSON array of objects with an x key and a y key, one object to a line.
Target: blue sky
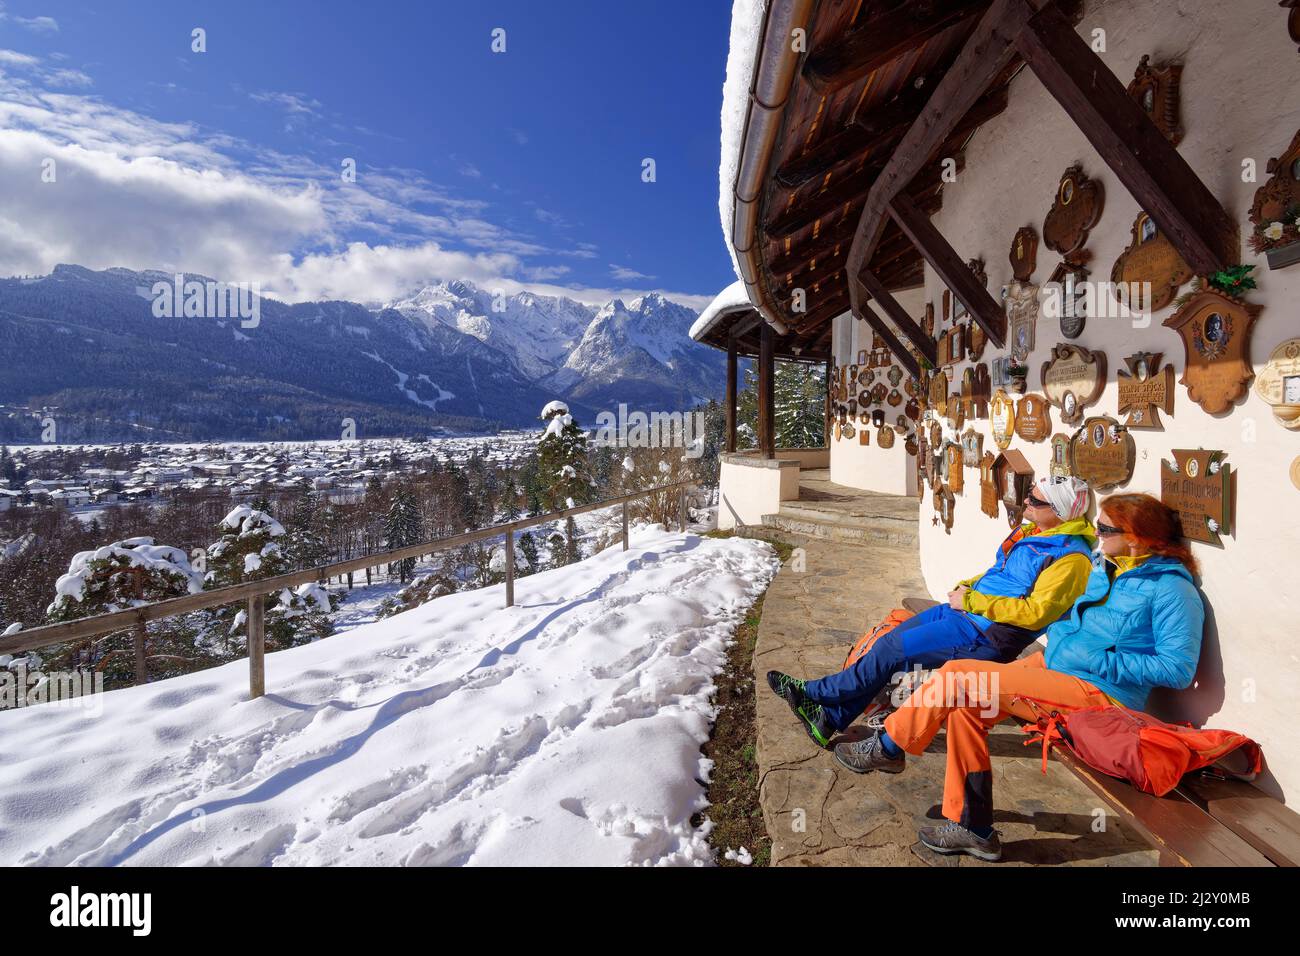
[{"x": 517, "y": 169}]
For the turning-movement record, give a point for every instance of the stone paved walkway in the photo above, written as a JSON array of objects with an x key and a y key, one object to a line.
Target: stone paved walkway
[{"x": 820, "y": 814}]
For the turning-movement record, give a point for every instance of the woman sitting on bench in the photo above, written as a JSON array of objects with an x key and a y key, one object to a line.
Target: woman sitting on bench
[
  {"x": 1037, "y": 573},
  {"x": 1137, "y": 626}
]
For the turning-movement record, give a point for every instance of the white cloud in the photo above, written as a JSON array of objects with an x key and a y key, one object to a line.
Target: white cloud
[
  {"x": 624, "y": 274},
  {"x": 14, "y": 58},
  {"x": 39, "y": 24},
  {"x": 134, "y": 191}
]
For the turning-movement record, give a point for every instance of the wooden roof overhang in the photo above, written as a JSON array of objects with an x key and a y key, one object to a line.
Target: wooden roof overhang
[
  {"x": 744, "y": 327},
  {"x": 869, "y": 69}
]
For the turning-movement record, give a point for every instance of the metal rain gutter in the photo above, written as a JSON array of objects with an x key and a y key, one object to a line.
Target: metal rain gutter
[{"x": 774, "y": 76}]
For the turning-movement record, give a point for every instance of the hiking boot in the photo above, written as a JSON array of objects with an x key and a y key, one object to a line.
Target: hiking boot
[
  {"x": 868, "y": 754},
  {"x": 955, "y": 838},
  {"x": 876, "y": 720},
  {"x": 810, "y": 714}
]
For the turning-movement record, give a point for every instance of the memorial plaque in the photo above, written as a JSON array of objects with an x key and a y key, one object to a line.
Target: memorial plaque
[
  {"x": 1073, "y": 378},
  {"x": 1156, "y": 90},
  {"x": 1215, "y": 329},
  {"x": 1102, "y": 453},
  {"x": 885, "y": 437},
  {"x": 865, "y": 376},
  {"x": 894, "y": 399},
  {"x": 976, "y": 339},
  {"x": 1144, "y": 392},
  {"x": 1074, "y": 299},
  {"x": 1075, "y": 211},
  {"x": 1281, "y": 192},
  {"x": 936, "y": 435},
  {"x": 927, "y": 323},
  {"x": 1278, "y": 383},
  {"x": 1198, "y": 485},
  {"x": 849, "y": 431},
  {"x": 864, "y": 437},
  {"x": 879, "y": 392},
  {"x": 862, "y": 356},
  {"x": 981, "y": 392},
  {"x": 912, "y": 409},
  {"x": 946, "y": 508},
  {"x": 1013, "y": 477},
  {"x": 1149, "y": 257},
  {"x": 838, "y": 429},
  {"x": 1002, "y": 415},
  {"x": 895, "y": 375},
  {"x": 956, "y": 411},
  {"x": 947, "y": 305},
  {"x": 956, "y": 480},
  {"x": 1060, "y": 465},
  {"x": 1295, "y": 471},
  {"x": 988, "y": 486},
  {"x": 1024, "y": 253},
  {"x": 1033, "y": 418},
  {"x": 1022, "y": 317},
  {"x": 939, "y": 393}
]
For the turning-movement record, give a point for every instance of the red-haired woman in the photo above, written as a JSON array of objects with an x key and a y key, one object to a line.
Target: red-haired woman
[{"x": 1136, "y": 626}]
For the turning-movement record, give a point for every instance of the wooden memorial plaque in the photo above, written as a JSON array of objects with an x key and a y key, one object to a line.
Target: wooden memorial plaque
[
  {"x": 864, "y": 418},
  {"x": 1198, "y": 485},
  {"x": 1278, "y": 383},
  {"x": 981, "y": 392},
  {"x": 1022, "y": 317},
  {"x": 1144, "y": 392},
  {"x": 865, "y": 376},
  {"x": 1013, "y": 477},
  {"x": 1273, "y": 231},
  {"x": 1156, "y": 91},
  {"x": 1060, "y": 465},
  {"x": 1073, "y": 378},
  {"x": 939, "y": 393},
  {"x": 864, "y": 437},
  {"x": 936, "y": 435},
  {"x": 1033, "y": 418},
  {"x": 1149, "y": 257},
  {"x": 885, "y": 437},
  {"x": 927, "y": 323},
  {"x": 947, "y": 305},
  {"x": 1002, "y": 415},
  {"x": 895, "y": 375},
  {"x": 1295, "y": 471},
  {"x": 955, "y": 479},
  {"x": 946, "y": 508},
  {"x": 911, "y": 446},
  {"x": 838, "y": 430},
  {"x": 879, "y": 392},
  {"x": 1103, "y": 453},
  {"x": 912, "y": 409},
  {"x": 976, "y": 339},
  {"x": 972, "y": 448},
  {"x": 1075, "y": 211},
  {"x": 1024, "y": 253},
  {"x": 988, "y": 486},
  {"x": 894, "y": 398},
  {"x": 956, "y": 411},
  {"x": 1215, "y": 329},
  {"x": 849, "y": 431},
  {"x": 862, "y": 357}
]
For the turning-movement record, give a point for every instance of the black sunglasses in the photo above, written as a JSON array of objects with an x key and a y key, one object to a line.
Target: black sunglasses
[
  {"x": 1035, "y": 501},
  {"x": 1103, "y": 528}
]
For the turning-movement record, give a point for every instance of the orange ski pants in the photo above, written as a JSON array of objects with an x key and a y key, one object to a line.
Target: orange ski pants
[{"x": 967, "y": 698}]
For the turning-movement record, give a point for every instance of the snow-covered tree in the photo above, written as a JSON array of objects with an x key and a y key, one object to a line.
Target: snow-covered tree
[
  {"x": 403, "y": 526},
  {"x": 563, "y": 473},
  {"x": 250, "y": 549},
  {"x": 122, "y": 575}
]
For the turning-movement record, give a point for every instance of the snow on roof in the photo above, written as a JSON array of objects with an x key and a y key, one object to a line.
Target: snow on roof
[
  {"x": 733, "y": 298},
  {"x": 746, "y": 40}
]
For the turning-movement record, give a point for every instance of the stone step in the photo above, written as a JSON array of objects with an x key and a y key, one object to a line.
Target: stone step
[{"x": 873, "y": 529}]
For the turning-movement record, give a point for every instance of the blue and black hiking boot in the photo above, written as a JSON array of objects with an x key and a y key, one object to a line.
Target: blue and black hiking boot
[{"x": 810, "y": 713}]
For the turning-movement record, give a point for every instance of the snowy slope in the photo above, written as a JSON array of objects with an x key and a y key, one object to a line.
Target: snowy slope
[{"x": 565, "y": 730}]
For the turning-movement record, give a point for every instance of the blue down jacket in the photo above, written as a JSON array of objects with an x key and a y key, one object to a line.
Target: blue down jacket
[{"x": 1131, "y": 630}]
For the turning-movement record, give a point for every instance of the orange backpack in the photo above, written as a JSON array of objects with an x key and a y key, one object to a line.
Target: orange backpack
[
  {"x": 863, "y": 644},
  {"x": 1147, "y": 752}
]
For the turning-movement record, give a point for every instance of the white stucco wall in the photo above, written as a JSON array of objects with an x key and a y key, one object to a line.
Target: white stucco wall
[
  {"x": 1240, "y": 99},
  {"x": 750, "y": 487},
  {"x": 870, "y": 467}
]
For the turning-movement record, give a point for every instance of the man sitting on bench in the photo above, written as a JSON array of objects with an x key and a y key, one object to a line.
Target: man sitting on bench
[{"x": 1037, "y": 573}]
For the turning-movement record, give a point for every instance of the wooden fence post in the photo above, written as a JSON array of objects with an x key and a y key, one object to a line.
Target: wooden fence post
[
  {"x": 141, "y": 662},
  {"x": 681, "y": 506},
  {"x": 256, "y": 625},
  {"x": 625, "y": 526},
  {"x": 510, "y": 568}
]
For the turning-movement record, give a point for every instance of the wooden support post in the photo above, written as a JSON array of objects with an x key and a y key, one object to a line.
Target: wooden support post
[
  {"x": 141, "y": 662},
  {"x": 956, "y": 275},
  {"x": 906, "y": 324},
  {"x": 826, "y": 412},
  {"x": 1148, "y": 165},
  {"x": 256, "y": 629},
  {"x": 510, "y": 568},
  {"x": 681, "y": 509},
  {"x": 766, "y": 392},
  {"x": 731, "y": 394},
  {"x": 625, "y": 526}
]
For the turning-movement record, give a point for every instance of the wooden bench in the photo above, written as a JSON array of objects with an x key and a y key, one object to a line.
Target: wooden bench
[{"x": 1205, "y": 821}]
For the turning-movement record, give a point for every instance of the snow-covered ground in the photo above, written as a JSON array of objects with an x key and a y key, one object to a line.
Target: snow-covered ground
[{"x": 565, "y": 730}]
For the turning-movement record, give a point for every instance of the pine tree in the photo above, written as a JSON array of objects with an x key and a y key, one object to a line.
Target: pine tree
[
  {"x": 563, "y": 472},
  {"x": 799, "y": 394},
  {"x": 250, "y": 549},
  {"x": 402, "y": 527},
  {"x": 528, "y": 548},
  {"x": 305, "y": 544}
]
